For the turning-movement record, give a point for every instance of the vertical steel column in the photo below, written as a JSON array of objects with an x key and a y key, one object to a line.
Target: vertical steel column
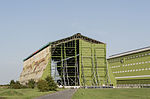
[
  {"x": 97, "y": 74},
  {"x": 62, "y": 76},
  {"x": 93, "y": 69},
  {"x": 65, "y": 64},
  {"x": 75, "y": 63},
  {"x": 105, "y": 64},
  {"x": 64, "y": 79},
  {"x": 82, "y": 67}
]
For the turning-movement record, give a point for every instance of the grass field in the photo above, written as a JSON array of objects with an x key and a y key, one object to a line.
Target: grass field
[
  {"x": 143, "y": 93},
  {"x": 21, "y": 93}
]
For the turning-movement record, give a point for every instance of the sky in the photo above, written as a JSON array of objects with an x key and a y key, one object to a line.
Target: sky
[{"x": 27, "y": 25}]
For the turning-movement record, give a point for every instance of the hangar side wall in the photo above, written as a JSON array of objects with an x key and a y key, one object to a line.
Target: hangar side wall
[
  {"x": 131, "y": 69},
  {"x": 36, "y": 67},
  {"x": 92, "y": 63}
]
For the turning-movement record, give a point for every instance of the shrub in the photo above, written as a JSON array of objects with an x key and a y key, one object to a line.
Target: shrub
[
  {"x": 51, "y": 84},
  {"x": 31, "y": 84},
  {"x": 15, "y": 85},
  {"x": 42, "y": 85}
]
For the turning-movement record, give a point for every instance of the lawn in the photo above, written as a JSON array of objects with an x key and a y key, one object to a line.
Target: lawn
[
  {"x": 143, "y": 93},
  {"x": 21, "y": 93}
]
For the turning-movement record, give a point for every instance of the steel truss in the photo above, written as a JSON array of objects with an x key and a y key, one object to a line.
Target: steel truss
[{"x": 66, "y": 56}]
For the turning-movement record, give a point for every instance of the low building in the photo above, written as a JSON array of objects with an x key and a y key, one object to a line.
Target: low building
[{"x": 130, "y": 69}]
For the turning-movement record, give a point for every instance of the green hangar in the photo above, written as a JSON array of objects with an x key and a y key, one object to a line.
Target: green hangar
[
  {"x": 130, "y": 69},
  {"x": 73, "y": 61}
]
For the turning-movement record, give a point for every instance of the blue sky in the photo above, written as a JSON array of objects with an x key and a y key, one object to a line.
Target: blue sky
[{"x": 26, "y": 25}]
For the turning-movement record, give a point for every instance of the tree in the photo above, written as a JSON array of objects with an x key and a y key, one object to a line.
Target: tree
[
  {"x": 31, "y": 83},
  {"x": 42, "y": 85},
  {"x": 52, "y": 85},
  {"x": 12, "y": 82}
]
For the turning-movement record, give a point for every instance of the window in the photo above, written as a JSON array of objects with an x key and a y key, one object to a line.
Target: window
[
  {"x": 146, "y": 69},
  {"x": 146, "y": 62}
]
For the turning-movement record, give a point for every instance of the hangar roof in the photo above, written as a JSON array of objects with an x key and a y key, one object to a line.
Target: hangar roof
[{"x": 130, "y": 52}]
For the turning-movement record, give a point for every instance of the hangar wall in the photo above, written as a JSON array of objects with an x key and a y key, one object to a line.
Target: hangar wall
[
  {"x": 93, "y": 70},
  {"x": 34, "y": 67}
]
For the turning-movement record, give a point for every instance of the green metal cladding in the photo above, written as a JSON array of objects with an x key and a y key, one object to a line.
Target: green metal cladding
[
  {"x": 133, "y": 68},
  {"x": 92, "y": 64}
]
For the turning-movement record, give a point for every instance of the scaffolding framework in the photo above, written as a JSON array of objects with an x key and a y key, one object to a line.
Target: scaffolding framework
[{"x": 77, "y": 63}]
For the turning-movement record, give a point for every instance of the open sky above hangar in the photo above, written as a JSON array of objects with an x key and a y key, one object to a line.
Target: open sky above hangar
[{"x": 25, "y": 26}]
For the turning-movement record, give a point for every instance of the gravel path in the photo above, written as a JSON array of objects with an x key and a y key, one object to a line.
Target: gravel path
[{"x": 65, "y": 94}]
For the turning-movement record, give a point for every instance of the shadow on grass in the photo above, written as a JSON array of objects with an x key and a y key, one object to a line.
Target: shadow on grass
[{"x": 2, "y": 98}]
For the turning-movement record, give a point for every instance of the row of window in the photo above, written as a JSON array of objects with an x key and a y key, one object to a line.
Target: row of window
[
  {"x": 131, "y": 70},
  {"x": 130, "y": 57},
  {"x": 132, "y": 64}
]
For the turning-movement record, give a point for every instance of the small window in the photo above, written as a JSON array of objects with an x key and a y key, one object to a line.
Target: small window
[
  {"x": 146, "y": 69},
  {"x": 146, "y": 62}
]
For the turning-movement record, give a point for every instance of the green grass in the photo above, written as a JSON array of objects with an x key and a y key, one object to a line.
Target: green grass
[
  {"x": 143, "y": 93},
  {"x": 22, "y": 93}
]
